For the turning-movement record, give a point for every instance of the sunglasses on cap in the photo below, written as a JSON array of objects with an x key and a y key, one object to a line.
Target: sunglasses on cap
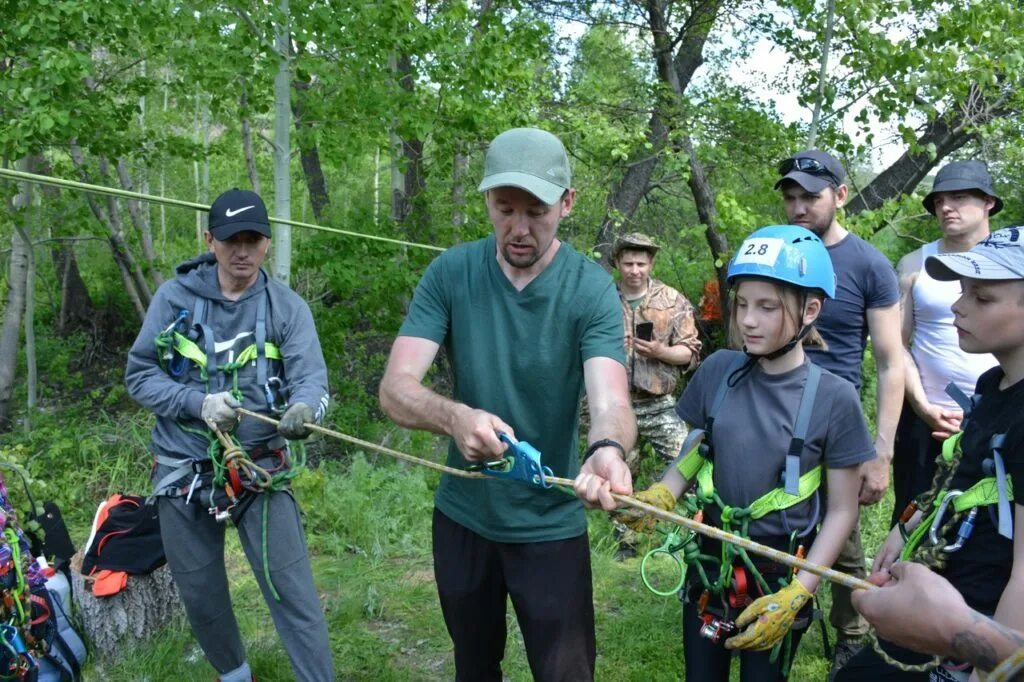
[{"x": 807, "y": 165}]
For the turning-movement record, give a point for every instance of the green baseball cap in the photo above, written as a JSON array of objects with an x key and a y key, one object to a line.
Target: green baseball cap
[{"x": 531, "y": 159}]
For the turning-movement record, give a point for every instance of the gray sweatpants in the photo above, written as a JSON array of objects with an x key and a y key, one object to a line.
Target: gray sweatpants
[{"x": 194, "y": 543}]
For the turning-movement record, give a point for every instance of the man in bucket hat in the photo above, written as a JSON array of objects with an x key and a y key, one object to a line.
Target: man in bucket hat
[
  {"x": 661, "y": 344},
  {"x": 527, "y": 323},
  {"x": 813, "y": 186},
  {"x": 963, "y": 200}
]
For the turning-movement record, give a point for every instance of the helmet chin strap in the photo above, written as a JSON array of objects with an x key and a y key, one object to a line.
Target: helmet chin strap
[{"x": 791, "y": 344}]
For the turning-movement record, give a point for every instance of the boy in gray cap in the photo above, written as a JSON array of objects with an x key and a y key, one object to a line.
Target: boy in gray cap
[
  {"x": 963, "y": 200},
  {"x": 527, "y": 323},
  {"x": 985, "y": 562}
]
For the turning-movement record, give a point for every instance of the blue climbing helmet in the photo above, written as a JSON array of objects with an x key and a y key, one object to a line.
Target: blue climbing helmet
[{"x": 788, "y": 254}]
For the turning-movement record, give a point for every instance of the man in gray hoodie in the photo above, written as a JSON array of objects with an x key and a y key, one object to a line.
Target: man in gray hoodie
[{"x": 222, "y": 335}]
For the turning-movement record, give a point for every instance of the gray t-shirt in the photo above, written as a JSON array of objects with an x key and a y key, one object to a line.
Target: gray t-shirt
[{"x": 754, "y": 426}]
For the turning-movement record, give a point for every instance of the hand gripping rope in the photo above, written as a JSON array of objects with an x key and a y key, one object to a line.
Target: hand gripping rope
[{"x": 794, "y": 562}]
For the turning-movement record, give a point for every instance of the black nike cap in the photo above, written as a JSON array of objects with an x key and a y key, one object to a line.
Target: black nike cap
[{"x": 238, "y": 210}]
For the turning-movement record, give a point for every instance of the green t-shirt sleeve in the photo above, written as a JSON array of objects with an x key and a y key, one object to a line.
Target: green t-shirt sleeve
[
  {"x": 429, "y": 314},
  {"x": 603, "y": 330}
]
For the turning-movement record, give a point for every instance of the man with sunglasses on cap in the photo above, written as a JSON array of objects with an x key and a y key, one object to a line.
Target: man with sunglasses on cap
[
  {"x": 528, "y": 324},
  {"x": 866, "y": 303},
  {"x": 219, "y": 308},
  {"x": 963, "y": 200}
]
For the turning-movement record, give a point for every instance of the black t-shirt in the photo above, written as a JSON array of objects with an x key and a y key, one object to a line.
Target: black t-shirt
[{"x": 981, "y": 570}]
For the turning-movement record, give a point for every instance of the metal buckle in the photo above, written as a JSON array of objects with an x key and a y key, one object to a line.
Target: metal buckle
[{"x": 276, "y": 394}]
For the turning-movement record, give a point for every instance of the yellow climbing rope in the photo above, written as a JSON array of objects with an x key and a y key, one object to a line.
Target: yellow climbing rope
[{"x": 709, "y": 531}]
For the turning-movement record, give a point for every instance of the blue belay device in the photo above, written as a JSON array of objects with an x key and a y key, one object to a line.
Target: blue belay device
[{"x": 521, "y": 463}]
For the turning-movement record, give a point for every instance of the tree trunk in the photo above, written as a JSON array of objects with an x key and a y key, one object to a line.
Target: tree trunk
[
  {"x": 282, "y": 268},
  {"x": 250, "y": 158},
  {"x": 628, "y": 192},
  {"x": 460, "y": 167},
  {"x": 140, "y": 218},
  {"x": 812, "y": 133},
  {"x": 309, "y": 153},
  {"x": 76, "y": 307},
  {"x": 111, "y": 624},
  {"x": 17, "y": 282},
  {"x": 946, "y": 132},
  {"x": 31, "y": 373},
  {"x": 704, "y": 198},
  {"x": 407, "y": 179},
  {"x": 135, "y": 286},
  {"x": 675, "y": 71}
]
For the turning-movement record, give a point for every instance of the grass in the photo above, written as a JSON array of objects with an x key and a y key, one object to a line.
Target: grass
[{"x": 368, "y": 523}]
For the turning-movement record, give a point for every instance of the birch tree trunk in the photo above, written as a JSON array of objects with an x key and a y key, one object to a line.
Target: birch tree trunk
[
  {"x": 17, "y": 282},
  {"x": 140, "y": 218},
  {"x": 282, "y": 148}
]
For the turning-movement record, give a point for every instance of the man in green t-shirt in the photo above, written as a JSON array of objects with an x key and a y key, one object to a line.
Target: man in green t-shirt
[{"x": 528, "y": 324}]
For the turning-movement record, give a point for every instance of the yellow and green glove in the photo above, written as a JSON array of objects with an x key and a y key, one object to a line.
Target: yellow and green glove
[
  {"x": 769, "y": 618},
  {"x": 658, "y": 495}
]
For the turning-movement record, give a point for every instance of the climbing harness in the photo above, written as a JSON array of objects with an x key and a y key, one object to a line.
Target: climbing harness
[
  {"x": 227, "y": 481},
  {"x": 178, "y": 345},
  {"x": 927, "y": 543},
  {"x": 739, "y": 579}
]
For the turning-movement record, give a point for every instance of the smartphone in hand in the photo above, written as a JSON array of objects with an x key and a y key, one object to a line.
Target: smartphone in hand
[{"x": 644, "y": 330}]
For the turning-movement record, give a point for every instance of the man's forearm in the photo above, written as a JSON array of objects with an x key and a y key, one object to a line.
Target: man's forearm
[
  {"x": 411, "y": 404},
  {"x": 913, "y": 389},
  {"x": 983, "y": 642},
  {"x": 889, "y": 403},
  {"x": 677, "y": 355},
  {"x": 614, "y": 422}
]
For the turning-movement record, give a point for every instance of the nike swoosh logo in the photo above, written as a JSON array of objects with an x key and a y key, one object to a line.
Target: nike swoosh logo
[{"x": 231, "y": 214}]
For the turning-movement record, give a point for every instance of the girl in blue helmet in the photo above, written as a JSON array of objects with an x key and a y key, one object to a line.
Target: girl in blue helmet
[{"x": 770, "y": 430}]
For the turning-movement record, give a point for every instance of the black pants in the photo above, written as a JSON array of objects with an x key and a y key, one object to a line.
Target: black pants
[
  {"x": 868, "y": 665},
  {"x": 913, "y": 464},
  {"x": 707, "y": 661},
  {"x": 551, "y": 590}
]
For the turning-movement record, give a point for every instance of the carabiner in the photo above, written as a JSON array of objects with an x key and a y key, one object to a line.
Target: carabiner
[
  {"x": 963, "y": 534},
  {"x": 933, "y": 532},
  {"x": 274, "y": 391}
]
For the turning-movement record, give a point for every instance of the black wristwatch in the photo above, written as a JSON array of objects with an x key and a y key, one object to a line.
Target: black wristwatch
[{"x": 603, "y": 443}]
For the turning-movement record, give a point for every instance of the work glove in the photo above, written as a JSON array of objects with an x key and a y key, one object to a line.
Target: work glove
[
  {"x": 769, "y": 618},
  {"x": 219, "y": 409},
  {"x": 293, "y": 422},
  {"x": 658, "y": 495}
]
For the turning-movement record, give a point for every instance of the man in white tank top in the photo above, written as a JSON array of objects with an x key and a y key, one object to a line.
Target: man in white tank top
[{"x": 963, "y": 200}]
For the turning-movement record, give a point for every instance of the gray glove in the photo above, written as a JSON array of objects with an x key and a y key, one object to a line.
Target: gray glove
[
  {"x": 293, "y": 422},
  {"x": 219, "y": 408}
]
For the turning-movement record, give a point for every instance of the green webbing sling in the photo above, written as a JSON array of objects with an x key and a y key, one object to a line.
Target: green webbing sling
[{"x": 1004, "y": 492}]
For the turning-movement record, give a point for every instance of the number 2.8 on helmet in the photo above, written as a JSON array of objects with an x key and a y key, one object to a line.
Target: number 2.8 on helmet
[{"x": 787, "y": 254}]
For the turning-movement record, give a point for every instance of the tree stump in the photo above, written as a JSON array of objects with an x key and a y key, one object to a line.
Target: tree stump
[{"x": 144, "y": 606}]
